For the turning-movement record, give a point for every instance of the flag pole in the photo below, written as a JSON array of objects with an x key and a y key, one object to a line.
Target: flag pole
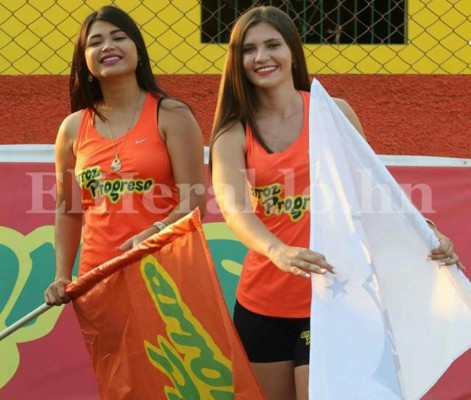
[{"x": 18, "y": 324}]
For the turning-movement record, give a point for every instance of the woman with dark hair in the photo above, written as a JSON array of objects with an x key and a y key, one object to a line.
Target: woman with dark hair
[
  {"x": 129, "y": 158},
  {"x": 259, "y": 151}
]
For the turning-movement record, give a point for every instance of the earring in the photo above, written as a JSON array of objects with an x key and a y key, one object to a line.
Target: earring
[
  {"x": 90, "y": 77},
  {"x": 294, "y": 64},
  {"x": 139, "y": 61}
]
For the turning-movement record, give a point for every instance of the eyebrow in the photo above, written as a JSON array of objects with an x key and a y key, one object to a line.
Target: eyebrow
[{"x": 99, "y": 34}]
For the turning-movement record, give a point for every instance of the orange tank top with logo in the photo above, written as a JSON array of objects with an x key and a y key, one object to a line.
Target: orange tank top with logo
[
  {"x": 279, "y": 185},
  {"x": 120, "y": 204}
]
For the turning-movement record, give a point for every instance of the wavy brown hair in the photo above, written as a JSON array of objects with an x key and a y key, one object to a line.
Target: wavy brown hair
[{"x": 237, "y": 100}]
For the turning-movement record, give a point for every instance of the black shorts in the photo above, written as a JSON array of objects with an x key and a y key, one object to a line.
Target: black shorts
[{"x": 272, "y": 339}]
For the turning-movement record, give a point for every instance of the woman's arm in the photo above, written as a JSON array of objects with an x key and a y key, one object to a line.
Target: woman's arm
[
  {"x": 230, "y": 188},
  {"x": 184, "y": 142},
  {"x": 68, "y": 220}
]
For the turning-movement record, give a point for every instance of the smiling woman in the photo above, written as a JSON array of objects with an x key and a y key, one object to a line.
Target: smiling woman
[
  {"x": 110, "y": 51},
  {"x": 266, "y": 56},
  {"x": 129, "y": 159},
  {"x": 261, "y": 180},
  {"x": 124, "y": 130}
]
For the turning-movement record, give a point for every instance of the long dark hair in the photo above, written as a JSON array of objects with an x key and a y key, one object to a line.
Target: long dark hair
[
  {"x": 237, "y": 100},
  {"x": 85, "y": 94}
]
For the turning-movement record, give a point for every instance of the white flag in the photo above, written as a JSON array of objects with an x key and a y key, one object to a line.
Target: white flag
[{"x": 390, "y": 322}]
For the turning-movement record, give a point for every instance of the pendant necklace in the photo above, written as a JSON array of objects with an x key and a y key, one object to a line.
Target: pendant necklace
[{"x": 116, "y": 163}]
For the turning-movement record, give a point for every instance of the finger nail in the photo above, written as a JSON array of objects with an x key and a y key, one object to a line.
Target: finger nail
[{"x": 307, "y": 275}]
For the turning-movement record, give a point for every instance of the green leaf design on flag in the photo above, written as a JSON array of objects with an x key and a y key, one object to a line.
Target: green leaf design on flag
[
  {"x": 26, "y": 269},
  {"x": 228, "y": 254}
]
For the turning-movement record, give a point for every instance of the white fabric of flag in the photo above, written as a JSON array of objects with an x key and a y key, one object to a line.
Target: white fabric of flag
[{"x": 389, "y": 323}]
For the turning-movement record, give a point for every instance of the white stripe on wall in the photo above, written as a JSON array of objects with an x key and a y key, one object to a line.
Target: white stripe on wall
[{"x": 44, "y": 153}]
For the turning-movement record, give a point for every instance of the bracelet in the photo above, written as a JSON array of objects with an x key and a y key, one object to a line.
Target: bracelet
[
  {"x": 431, "y": 223},
  {"x": 159, "y": 225}
]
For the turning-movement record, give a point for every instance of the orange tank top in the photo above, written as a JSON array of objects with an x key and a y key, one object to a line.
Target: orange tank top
[
  {"x": 280, "y": 191},
  {"x": 118, "y": 205}
]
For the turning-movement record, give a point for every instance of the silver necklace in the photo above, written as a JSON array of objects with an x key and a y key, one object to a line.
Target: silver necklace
[{"x": 116, "y": 164}]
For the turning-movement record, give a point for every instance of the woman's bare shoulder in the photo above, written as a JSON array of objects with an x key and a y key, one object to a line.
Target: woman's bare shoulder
[
  {"x": 232, "y": 133},
  {"x": 70, "y": 125},
  {"x": 347, "y": 109}
]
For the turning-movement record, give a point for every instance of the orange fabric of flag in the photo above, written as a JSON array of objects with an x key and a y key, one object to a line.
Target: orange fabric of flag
[{"x": 156, "y": 325}]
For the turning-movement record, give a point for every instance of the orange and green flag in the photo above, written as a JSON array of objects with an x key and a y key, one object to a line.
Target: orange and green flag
[{"x": 156, "y": 325}]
